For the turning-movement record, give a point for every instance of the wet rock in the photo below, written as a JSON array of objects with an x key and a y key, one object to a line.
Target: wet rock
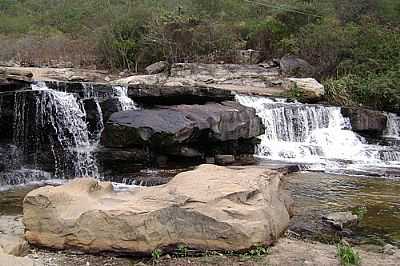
[
  {"x": 296, "y": 67},
  {"x": 366, "y": 121},
  {"x": 210, "y": 208},
  {"x": 181, "y": 124},
  {"x": 157, "y": 67},
  {"x": 224, "y": 159},
  {"x": 17, "y": 74},
  {"x": 340, "y": 219}
]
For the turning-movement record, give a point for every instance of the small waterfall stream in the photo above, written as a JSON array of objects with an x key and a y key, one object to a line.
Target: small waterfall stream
[
  {"x": 56, "y": 133},
  {"x": 318, "y": 136}
]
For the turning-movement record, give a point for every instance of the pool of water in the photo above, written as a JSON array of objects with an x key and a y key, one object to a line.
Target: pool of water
[{"x": 316, "y": 194}]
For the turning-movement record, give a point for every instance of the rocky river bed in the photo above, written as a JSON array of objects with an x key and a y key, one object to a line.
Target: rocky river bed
[{"x": 306, "y": 243}]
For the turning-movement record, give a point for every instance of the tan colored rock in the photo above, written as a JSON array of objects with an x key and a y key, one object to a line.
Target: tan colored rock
[
  {"x": 312, "y": 90},
  {"x": 9, "y": 260},
  {"x": 13, "y": 245},
  {"x": 210, "y": 208}
]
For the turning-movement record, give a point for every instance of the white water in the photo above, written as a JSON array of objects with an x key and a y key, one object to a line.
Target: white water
[
  {"x": 60, "y": 119},
  {"x": 392, "y": 127},
  {"x": 318, "y": 135},
  {"x": 121, "y": 92}
]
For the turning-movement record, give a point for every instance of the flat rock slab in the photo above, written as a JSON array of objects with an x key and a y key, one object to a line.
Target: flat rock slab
[
  {"x": 340, "y": 219},
  {"x": 210, "y": 208},
  {"x": 212, "y": 122}
]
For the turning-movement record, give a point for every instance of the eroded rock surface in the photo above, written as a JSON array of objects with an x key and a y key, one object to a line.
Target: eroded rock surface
[
  {"x": 186, "y": 130},
  {"x": 365, "y": 121},
  {"x": 209, "y": 208}
]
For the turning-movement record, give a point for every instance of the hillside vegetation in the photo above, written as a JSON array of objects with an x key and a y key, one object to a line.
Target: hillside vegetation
[{"x": 354, "y": 44}]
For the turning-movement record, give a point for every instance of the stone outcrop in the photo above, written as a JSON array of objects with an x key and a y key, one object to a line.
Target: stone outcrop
[
  {"x": 259, "y": 79},
  {"x": 366, "y": 121},
  {"x": 210, "y": 208},
  {"x": 186, "y": 130}
]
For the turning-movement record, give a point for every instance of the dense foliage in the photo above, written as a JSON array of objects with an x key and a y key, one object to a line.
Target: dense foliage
[{"x": 354, "y": 44}]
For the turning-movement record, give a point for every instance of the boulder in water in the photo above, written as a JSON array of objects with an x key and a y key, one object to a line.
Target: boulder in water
[
  {"x": 169, "y": 126},
  {"x": 210, "y": 208},
  {"x": 366, "y": 121},
  {"x": 340, "y": 219}
]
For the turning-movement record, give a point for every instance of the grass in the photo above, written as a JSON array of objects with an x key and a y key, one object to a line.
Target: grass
[
  {"x": 360, "y": 212},
  {"x": 347, "y": 255}
]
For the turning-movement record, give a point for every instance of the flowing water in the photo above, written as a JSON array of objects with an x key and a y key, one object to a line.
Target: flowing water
[{"x": 320, "y": 138}]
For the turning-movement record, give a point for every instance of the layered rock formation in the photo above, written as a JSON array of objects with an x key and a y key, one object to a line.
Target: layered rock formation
[
  {"x": 186, "y": 130},
  {"x": 210, "y": 208}
]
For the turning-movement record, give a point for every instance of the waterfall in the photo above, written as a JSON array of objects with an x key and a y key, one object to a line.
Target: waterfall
[
  {"x": 53, "y": 125},
  {"x": 315, "y": 134},
  {"x": 393, "y": 126},
  {"x": 121, "y": 92}
]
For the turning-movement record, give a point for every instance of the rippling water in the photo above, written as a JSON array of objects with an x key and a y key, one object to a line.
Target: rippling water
[{"x": 316, "y": 194}]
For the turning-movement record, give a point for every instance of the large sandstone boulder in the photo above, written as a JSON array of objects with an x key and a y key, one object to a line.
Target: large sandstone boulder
[
  {"x": 210, "y": 208},
  {"x": 366, "y": 121},
  {"x": 212, "y": 122}
]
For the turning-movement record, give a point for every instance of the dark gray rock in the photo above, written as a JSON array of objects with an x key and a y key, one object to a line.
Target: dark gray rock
[
  {"x": 157, "y": 68},
  {"x": 366, "y": 121},
  {"x": 296, "y": 67},
  {"x": 212, "y": 122},
  {"x": 177, "y": 94},
  {"x": 224, "y": 159}
]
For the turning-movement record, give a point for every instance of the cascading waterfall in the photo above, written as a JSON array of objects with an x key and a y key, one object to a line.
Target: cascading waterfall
[
  {"x": 59, "y": 122},
  {"x": 393, "y": 126},
  {"x": 315, "y": 134},
  {"x": 121, "y": 92}
]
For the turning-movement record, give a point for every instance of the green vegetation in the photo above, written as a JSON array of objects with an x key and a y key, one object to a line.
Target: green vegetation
[
  {"x": 360, "y": 212},
  {"x": 254, "y": 253},
  {"x": 182, "y": 250},
  {"x": 354, "y": 45},
  {"x": 156, "y": 254},
  {"x": 347, "y": 255}
]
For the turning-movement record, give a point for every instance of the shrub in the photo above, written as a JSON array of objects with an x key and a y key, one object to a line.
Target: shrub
[{"x": 347, "y": 255}]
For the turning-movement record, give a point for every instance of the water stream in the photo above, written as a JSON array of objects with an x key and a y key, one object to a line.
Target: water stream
[{"x": 320, "y": 138}]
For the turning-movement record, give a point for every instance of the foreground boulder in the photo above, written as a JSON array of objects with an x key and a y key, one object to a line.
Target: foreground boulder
[{"x": 210, "y": 208}]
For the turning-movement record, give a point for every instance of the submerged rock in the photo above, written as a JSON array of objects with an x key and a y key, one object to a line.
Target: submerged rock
[
  {"x": 340, "y": 219},
  {"x": 210, "y": 208}
]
